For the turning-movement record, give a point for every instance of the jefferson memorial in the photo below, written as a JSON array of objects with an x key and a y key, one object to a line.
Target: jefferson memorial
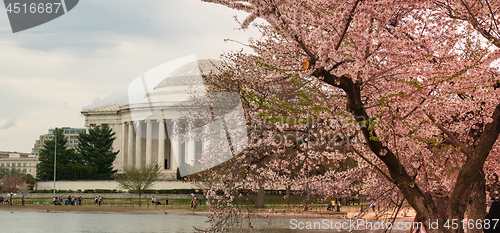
[{"x": 170, "y": 120}]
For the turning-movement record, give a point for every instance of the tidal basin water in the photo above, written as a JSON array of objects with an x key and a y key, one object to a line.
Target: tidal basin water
[
  {"x": 35, "y": 222},
  {"x": 31, "y": 222}
]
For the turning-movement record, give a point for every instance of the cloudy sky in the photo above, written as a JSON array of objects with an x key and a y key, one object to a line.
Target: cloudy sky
[{"x": 89, "y": 56}]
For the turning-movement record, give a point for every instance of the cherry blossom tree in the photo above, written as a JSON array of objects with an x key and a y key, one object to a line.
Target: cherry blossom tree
[
  {"x": 416, "y": 78},
  {"x": 11, "y": 184}
]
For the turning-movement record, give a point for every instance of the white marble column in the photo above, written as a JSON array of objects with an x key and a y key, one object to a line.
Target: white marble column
[
  {"x": 130, "y": 152},
  {"x": 149, "y": 142},
  {"x": 175, "y": 144},
  {"x": 138, "y": 145},
  {"x": 124, "y": 146},
  {"x": 191, "y": 145},
  {"x": 205, "y": 138},
  {"x": 161, "y": 144}
]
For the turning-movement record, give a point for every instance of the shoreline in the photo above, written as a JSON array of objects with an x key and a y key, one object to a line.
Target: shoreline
[
  {"x": 97, "y": 210},
  {"x": 129, "y": 210}
]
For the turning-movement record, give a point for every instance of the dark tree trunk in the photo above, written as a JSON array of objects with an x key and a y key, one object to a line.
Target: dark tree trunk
[
  {"x": 443, "y": 213},
  {"x": 306, "y": 201},
  {"x": 259, "y": 203},
  {"x": 288, "y": 196},
  {"x": 447, "y": 212},
  {"x": 140, "y": 199},
  {"x": 476, "y": 207}
]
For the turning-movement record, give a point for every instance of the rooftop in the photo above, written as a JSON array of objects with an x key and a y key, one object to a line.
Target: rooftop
[{"x": 5, "y": 154}]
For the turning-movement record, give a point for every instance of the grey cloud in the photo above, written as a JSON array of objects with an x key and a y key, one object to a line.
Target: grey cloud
[
  {"x": 115, "y": 98},
  {"x": 9, "y": 124},
  {"x": 171, "y": 21}
]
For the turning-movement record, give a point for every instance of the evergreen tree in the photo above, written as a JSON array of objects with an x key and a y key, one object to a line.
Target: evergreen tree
[
  {"x": 64, "y": 156},
  {"x": 96, "y": 150}
]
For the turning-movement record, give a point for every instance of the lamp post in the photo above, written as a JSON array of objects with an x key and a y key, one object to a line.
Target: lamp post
[{"x": 55, "y": 156}]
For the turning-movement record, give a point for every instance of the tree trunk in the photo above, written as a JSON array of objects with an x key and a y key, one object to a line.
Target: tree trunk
[
  {"x": 443, "y": 213},
  {"x": 288, "y": 196},
  {"x": 306, "y": 201},
  {"x": 449, "y": 214},
  {"x": 476, "y": 207},
  {"x": 140, "y": 199},
  {"x": 259, "y": 203}
]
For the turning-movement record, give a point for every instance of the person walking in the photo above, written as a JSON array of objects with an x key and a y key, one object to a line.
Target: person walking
[
  {"x": 95, "y": 201},
  {"x": 493, "y": 213},
  {"x": 80, "y": 200},
  {"x": 372, "y": 206},
  {"x": 414, "y": 229},
  {"x": 23, "y": 200},
  {"x": 166, "y": 202}
]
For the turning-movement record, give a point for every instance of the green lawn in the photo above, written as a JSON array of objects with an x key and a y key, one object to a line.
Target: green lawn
[{"x": 277, "y": 204}]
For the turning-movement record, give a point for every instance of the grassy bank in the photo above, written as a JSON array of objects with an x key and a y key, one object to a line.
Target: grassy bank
[{"x": 293, "y": 205}]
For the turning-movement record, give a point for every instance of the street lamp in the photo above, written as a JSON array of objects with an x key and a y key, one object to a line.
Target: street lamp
[{"x": 55, "y": 156}]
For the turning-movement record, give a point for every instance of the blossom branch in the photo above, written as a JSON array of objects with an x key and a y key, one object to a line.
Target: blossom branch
[
  {"x": 451, "y": 136},
  {"x": 346, "y": 26},
  {"x": 373, "y": 165}
]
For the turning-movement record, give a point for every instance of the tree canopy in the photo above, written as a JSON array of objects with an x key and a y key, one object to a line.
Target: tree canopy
[
  {"x": 136, "y": 180},
  {"x": 96, "y": 150},
  {"x": 407, "y": 87},
  {"x": 66, "y": 158},
  {"x": 93, "y": 158},
  {"x": 4, "y": 172}
]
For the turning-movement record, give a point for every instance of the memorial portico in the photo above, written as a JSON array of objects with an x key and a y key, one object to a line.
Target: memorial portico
[
  {"x": 153, "y": 127},
  {"x": 145, "y": 141}
]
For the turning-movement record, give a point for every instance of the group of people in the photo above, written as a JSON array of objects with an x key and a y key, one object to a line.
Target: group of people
[
  {"x": 6, "y": 201},
  {"x": 99, "y": 200},
  {"x": 194, "y": 202},
  {"x": 72, "y": 200},
  {"x": 334, "y": 204},
  {"x": 154, "y": 201}
]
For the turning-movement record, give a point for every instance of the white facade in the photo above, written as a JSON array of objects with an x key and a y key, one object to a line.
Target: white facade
[
  {"x": 144, "y": 141},
  {"x": 151, "y": 129},
  {"x": 154, "y": 127}
]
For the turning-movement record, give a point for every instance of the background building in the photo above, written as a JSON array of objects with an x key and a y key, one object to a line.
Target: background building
[
  {"x": 24, "y": 162},
  {"x": 70, "y": 133}
]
